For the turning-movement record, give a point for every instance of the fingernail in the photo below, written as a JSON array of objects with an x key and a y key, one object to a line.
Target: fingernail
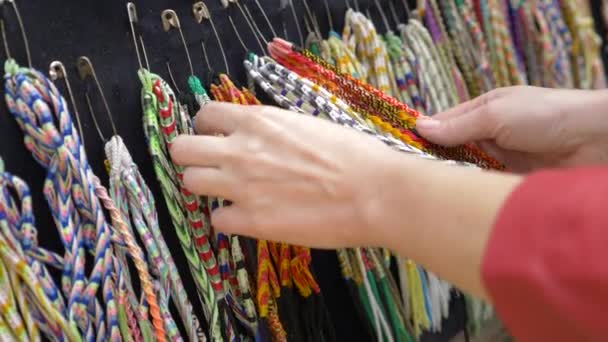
[{"x": 427, "y": 123}]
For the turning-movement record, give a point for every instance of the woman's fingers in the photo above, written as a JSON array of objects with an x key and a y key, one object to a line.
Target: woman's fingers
[
  {"x": 211, "y": 182},
  {"x": 219, "y": 118},
  {"x": 232, "y": 220},
  {"x": 472, "y": 126},
  {"x": 202, "y": 151},
  {"x": 468, "y": 122}
]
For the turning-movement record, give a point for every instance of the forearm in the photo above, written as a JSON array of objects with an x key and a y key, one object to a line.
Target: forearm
[{"x": 441, "y": 216}]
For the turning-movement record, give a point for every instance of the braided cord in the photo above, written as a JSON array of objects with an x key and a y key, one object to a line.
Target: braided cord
[
  {"x": 175, "y": 120},
  {"x": 167, "y": 177},
  {"x": 135, "y": 199},
  {"x": 370, "y": 50},
  {"x": 383, "y": 103},
  {"x": 373, "y": 303},
  {"x": 291, "y": 265},
  {"x": 431, "y": 84},
  {"x": 20, "y": 327},
  {"x": 69, "y": 188},
  {"x": 137, "y": 256},
  {"x": 461, "y": 45},
  {"x": 440, "y": 42},
  {"x": 479, "y": 46},
  {"x": 396, "y": 52},
  {"x": 344, "y": 58},
  {"x": 229, "y": 252},
  {"x": 17, "y": 224}
]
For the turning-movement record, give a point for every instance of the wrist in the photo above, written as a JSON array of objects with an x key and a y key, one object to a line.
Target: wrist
[
  {"x": 388, "y": 199},
  {"x": 587, "y": 115}
]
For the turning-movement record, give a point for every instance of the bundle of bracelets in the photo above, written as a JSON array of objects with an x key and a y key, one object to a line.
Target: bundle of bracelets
[
  {"x": 293, "y": 262},
  {"x": 136, "y": 203},
  {"x": 39, "y": 300},
  {"x": 299, "y": 95},
  {"x": 366, "y": 99},
  {"x": 75, "y": 196},
  {"x": 158, "y": 102}
]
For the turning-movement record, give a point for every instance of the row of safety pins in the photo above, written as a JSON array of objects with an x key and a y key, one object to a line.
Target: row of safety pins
[{"x": 170, "y": 20}]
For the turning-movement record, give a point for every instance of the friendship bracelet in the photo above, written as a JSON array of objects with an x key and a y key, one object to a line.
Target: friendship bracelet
[
  {"x": 32, "y": 99},
  {"x": 168, "y": 180}
]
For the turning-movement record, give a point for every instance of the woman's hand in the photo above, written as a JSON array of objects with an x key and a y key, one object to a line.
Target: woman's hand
[
  {"x": 306, "y": 181},
  {"x": 528, "y": 128},
  {"x": 291, "y": 178}
]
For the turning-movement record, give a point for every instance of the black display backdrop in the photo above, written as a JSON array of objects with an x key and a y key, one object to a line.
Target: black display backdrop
[{"x": 66, "y": 29}]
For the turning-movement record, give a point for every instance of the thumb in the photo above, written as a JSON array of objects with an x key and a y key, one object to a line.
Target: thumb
[{"x": 457, "y": 130}]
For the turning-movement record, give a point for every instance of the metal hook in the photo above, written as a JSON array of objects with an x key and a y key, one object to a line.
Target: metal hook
[
  {"x": 297, "y": 21},
  {"x": 251, "y": 27},
  {"x": 393, "y": 11},
  {"x": 201, "y": 12},
  {"x": 254, "y": 24},
  {"x": 282, "y": 8},
  {"x": 133, "y": 22},
  {"x": 21, "y": 28},
  {"x": 238, "y": 35},
  {"x": 257, "y": 2},
  {"x": 314, "y": 25},
  {"x": 383, "y": 15},
  {"x": 57, "y": 71},
  {"x": 328, "y": 12},
  {"x": 86, "y": 70},
  {"x": 170, "y": 20},
  {"x": 408, "y": 11},
  {"x": 175, "y": 86}
]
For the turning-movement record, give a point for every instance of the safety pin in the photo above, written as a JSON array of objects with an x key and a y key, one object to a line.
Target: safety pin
[
  {"x": 313, "y": 21},
  {"x": 170, "y": 21},
  {"x": 283, "y": 6},
  {"x": 56, "y": 72},
  {"x": 251, "y": 27},
  {"x": 297, "y": 21},
  {"x": 201, "y": 12},
  {"x": 86, "y": 71},
  {"x": 21, "y": 28},
  {"x": 240, "y": 38},
  {"x": 255, "y": 24},
  {"x": 383, "y": 15},
  {"x": 393, "y": 10},
  {"x": 329, "y": 18},
  {"x": 134, "y": 23}
]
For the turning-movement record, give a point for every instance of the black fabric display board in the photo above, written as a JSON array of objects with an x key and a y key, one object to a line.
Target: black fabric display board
[
  {"x": 65, "y": 29},
  {"x": 600, "y": 27}
]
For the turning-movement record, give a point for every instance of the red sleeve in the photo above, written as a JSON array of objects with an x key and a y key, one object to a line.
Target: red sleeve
[{"x": 546, "y": 264}]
